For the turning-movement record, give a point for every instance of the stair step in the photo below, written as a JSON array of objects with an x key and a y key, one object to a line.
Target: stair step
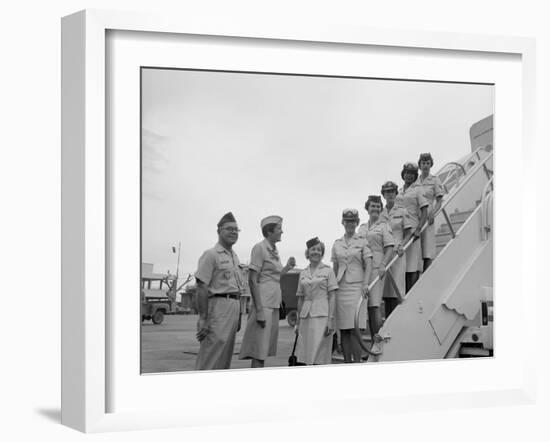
[
  {"x": 444, "y": 228},
  {"x": 460, "y": 216},
  {"x": 443, "y": 238},
  {"x": 443, "y": 234},
  {"x": 457, "y": 219}
]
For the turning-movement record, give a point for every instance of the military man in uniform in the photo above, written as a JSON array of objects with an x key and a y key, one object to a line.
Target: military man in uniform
[{"x": 219, "y": 286}]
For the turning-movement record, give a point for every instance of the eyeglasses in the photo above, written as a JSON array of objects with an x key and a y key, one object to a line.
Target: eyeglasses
[{"x": 232, "y": 229}]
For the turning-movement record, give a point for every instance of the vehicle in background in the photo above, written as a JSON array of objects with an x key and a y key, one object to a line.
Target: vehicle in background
[
  {"x": 154, "y": 309},
  {"x": 156, "y": 297},
  {"x": 159, "y": 295},
  {"x": 289, "y": 304}
]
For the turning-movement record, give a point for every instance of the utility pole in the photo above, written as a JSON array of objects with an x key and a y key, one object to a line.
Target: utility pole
[
  {"x": 177, "y": 265},
  {"x": 174, "y": 286}
]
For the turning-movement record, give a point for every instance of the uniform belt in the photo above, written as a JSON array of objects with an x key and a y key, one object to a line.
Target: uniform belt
[{"x": 227, "y": 295}]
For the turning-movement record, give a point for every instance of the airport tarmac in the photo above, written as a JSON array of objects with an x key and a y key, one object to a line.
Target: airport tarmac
[{"x": 172, "y": 346}]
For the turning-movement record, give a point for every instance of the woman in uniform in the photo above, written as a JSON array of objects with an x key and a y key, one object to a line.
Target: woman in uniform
[
  {"x": 398, "y": 220},
  {"x": 410, "y": 197},
  {"x": 352, "y": 264},
  {"x": 381, "y": 243},
  {"x": 264, "y": 274},
  {"x": 433, "y": 192},
  {"x": 316, "y": 303}
]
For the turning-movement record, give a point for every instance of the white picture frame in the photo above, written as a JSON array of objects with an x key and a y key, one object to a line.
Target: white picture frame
[{"x": 85, "y": 203}]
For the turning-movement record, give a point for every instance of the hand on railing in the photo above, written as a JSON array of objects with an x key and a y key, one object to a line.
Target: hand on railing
[{"x": 400, "y": 251}]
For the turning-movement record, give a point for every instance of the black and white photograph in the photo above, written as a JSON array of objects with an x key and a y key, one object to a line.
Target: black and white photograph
[{"x": 298, "y": 220}]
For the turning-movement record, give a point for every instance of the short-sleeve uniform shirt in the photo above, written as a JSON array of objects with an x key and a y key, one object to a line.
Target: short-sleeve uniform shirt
[
  {"x": 314, "y": 287},
  {"x": 220, "y": 270},
  {"x": 398, "y": 220},
  {"x": 351, "y": 258},
  {"x": 413, "y": 200},
  {"x": 265, "y": 260},
  {"x": 431, "y": 188},
  {"x": 378, "y": 235}
]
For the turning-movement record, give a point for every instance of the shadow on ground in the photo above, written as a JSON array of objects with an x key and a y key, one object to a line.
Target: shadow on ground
[{"x": 51, "y": 414}]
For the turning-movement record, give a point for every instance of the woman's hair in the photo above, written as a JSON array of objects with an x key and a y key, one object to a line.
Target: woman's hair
[
  {"x": 322, "y": 244},
  {"x": 426, "y": 157},
  {"x": 373, "y": 199},
  {"x": 268, "y": 229},
  {"x": 415, "y": 172}
]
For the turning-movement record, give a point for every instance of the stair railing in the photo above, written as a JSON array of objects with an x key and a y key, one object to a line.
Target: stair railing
[
  {"x": 452, "y": 175},
  {"x": 401, "y": 296},
  {"x": 486, "y": 198},
  {"x": 458, "y": 168}
]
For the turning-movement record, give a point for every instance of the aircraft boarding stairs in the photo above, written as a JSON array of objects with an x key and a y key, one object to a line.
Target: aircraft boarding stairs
[{"x": 434, "y": 315}]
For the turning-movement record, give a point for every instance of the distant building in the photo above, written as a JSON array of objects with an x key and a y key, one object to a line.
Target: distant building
[
  {"x": 189, "y": 298},
  {"x": 156, "y": 284},
  {"x": 147, "y": 273},
  {"x": 146, "y": 268}
]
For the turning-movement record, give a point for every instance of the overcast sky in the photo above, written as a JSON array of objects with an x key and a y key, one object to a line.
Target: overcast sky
[{"x": 300, "y": 147}]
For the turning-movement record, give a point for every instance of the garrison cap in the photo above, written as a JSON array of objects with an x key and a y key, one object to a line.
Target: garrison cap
[
  {"x": 227, "y": 218},
  {"x": 273, "y": 219},
  {"x": 373, "y": 199},
  {"x": 389, "y": 185},
  {"x": 409, "y": 167},
  {"x": 312, "y": 242},
  {"x": 350, "y": 214},
  {"x": 426, "y": 157}
]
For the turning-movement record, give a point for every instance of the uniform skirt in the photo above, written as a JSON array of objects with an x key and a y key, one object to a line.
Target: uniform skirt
[
  {"x": 347, "y": 297},
  {"x": 414, "y": 256},
  {"x": 398, "y": 270},
  {"x": 375, "y": 295},
  {"x": 259, "y": 343},
  {"x": 428, "y": 241},
  {"x": 313, "y": 346},
  {"x": 216, "y": 349}
]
